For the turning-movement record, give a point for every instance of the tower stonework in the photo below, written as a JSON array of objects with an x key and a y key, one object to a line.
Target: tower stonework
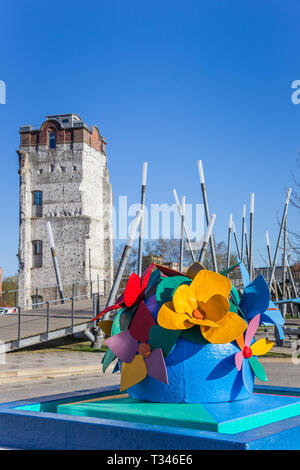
[{"x": 63, "y": 179}]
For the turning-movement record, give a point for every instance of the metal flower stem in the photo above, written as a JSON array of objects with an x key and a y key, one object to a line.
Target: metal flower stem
[
  {"x": 207, "y": 237},
  {"x": 280, "y": 234},
  {"x": 284, "y": 269},
  {"x": 251, "y": 237},
  {"x": 228, "y": 244},
  {"x": 247, "y": 247},
  {"x": 184, "y": 226},
  {"x": 236, "y": 241},
  {"x": 123, "y": 262},
  {"x": 143, "y": 197},
  {"x": 243, "y": 233},
  {"x": 182, "y": 234},
  {"x": 270, "y": 263},
  {"x": 207, "y": 215}
]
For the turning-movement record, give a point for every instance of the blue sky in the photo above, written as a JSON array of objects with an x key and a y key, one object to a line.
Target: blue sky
[{"x": 168, "y": 82}]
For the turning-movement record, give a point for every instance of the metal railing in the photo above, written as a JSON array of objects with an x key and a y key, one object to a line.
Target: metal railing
[
  {"x": 95, "y": 297},
  {"x": 37, "y": 292}
]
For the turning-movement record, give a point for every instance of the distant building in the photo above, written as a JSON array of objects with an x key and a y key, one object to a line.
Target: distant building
[
  {"x": 147, "y": 260},
  {"x": 63, "y": 179}
]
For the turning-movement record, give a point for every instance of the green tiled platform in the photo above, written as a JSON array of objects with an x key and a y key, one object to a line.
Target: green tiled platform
[{"x": 228, "y": 418}]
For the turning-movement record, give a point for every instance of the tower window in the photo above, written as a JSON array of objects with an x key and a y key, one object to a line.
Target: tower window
[
  {"x": 37, "y": 198},
  {"x": 37, "y": 247},
  {"x": 37, "y": 203},
  {"x": 37, "y": 254},
  {"x": 52, "y": 140}
]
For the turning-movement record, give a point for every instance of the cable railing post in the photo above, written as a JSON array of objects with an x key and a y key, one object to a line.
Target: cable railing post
[
  {"x": 19, "y": 325},
  {"x": 36, "y": 297},
  {"x": 72, "y": 306},
  {"x": 48, "y": 318}
]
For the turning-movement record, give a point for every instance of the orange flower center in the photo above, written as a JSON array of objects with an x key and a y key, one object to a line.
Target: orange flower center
[
  {"x": 198, "y": 314},
  {"x": 144, "y": 349}
]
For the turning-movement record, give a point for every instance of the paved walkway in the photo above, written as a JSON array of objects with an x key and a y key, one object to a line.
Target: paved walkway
[{"x": 35, "y": 321}]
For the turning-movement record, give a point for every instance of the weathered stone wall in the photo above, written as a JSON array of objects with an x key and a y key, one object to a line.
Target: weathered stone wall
[{"x": 77, "y": 201}]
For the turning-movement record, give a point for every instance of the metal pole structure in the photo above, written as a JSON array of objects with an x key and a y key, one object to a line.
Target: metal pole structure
[
  {"x": 246, "y": 246},
  {"x": 55, "y": 262},
  {"x": 207, "y": 237},
  {"x": 228, "y": 244},
  {"x": 268, "y": 249},
  {"x": 251, "y": 237},
  {"x": 236, "y": 240},
  {"x": 143, "y": 197},
  {"x": 270, "y": 264},
  {"x": 243, "y": 233},
  {"x": 280, "y": 233},
  {"x": 182, "y": 235},
  {"x": 204, "y": 195},
  {"x": 184, "y": 226},
  {"x": 123, "y": 261},
  {"x": 284, "y": 307},
  {"x": 292, "y": 280}
]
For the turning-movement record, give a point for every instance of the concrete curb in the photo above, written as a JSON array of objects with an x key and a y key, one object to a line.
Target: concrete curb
[
  {"x": 22, "y": 375},
  {"x": 15, "y": 375}
]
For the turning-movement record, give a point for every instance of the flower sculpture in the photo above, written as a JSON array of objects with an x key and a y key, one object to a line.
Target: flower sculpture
[
  {"x": 204, "y": 303},
  {"x": 165, "y": 318},
  {"x": 248, "y": 350}
]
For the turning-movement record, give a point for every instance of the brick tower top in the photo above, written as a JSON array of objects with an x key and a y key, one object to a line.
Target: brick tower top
[{"x": 62, "y": 129}]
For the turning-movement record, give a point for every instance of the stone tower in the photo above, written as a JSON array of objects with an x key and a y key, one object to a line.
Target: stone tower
[{"x": 63, "y": 179}]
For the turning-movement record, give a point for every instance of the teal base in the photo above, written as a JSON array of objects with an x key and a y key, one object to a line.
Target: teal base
[
  {"x": 271, "y": 423},
  {"x": 227, "y": 418}
]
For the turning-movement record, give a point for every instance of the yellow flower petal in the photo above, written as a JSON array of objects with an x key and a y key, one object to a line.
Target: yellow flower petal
[
  {"x": 133, "y": 372},
  {"x": 169, "y": 319},
  {"x": 184, "y": 299},
  {"x": 208, "y": 283},
  {"x": 204, "y": 322},
  {"x": 230, "y": 328},
  {"x": 261, "y": 347},
  {"x": 215, "y": 308}
]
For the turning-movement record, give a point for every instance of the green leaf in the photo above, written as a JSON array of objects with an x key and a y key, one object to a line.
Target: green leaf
[
  {"x": 167, "y": 286},
  {"x": 231, "y": 268},
  {"x": 194, "y": 335},
  {"x": 258, "y": 369},
  {"x": 126, "y": 317},
  {"x": 162, "y": 338}
]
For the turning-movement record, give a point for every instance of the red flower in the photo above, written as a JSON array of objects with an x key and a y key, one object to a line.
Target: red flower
[{"x": 134, "y": 292}]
